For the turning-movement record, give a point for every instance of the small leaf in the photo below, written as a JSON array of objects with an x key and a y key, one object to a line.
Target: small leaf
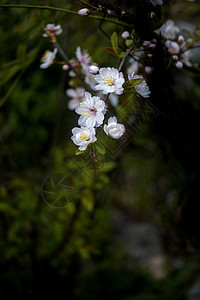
[
  {"x": 114, "y": 41},
  {"x": 78, "y": 152},
  {"x": 129, "y": 43},
  {"x": 130, "y": 84},
  {"x": 132, "y": 33},
  {"x": 121, "y": 55},
  {"x": 100, "y": 148}
]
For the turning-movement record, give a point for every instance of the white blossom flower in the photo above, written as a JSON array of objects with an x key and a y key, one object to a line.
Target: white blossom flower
[
  {"x": 91, "y": 111},
  {"x": 52, "y": 29},
  {"x": 125, "y": 34},
  {"x": 83, "y": 12},
  {"x": 77, "y": 96},
  {"x": 168, "y": 30},
  {"x": 114, "y": 100},
  {"x": 93, "y": 69},
  {"x": 142, "y": 88},
  {"x": 186, "y": 58},
  {"x": 48, "y": 58},
  {"x": 89, "y": 77},
  {"x": 133, "y": 67},
  {"x": 173, "y": 47},
  {"x": 83, "y": 136},
  {"x": 114, "y": 129},
  {"x": 156, "y": 2},
  {"x": 109, "y": 81},
  {"x": 83, "y": 57}
]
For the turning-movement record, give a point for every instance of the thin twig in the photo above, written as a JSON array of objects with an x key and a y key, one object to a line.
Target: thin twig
[
  {"x": 125, "y": 57},
  {"x": 64, "y": 10},
  {"x": 66, "y": 59},
  {"x": 89, "y": 5}
]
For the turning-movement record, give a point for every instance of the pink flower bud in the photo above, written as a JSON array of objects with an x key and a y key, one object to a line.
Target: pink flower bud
[
  {"x": 93, "y": 69},
  {"x": 152, "y": 46},
  {"x": 125, "y": 34},
  {"x": 146, "y": 43},
  {"x": 181, "y": 39},
  {"x": 83, "y": 12},
  {"x": 179, "y": 64},
  {"x": 65, "y": 67},
  {"x": 175, "y": 57},
  {"x": 148, "y": 69}
]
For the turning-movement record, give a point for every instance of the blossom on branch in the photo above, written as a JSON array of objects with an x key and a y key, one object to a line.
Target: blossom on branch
[
  {"x": 172, "y": 47},
  {"x": 91, "y": 111},
  {"x": 125, "y": 35},
  {"x": 114, "y": 129},
  {"x": 142, "y": 88},
  {"x": 168, "y": 30},
  {"x": 77, "y": 96},
  {"x": 83, "y": 12},
  {"x": 110, "y": 80},
  {"x": 83, "y": 136},
  {"x": 48, "y": 58},
  {"x": 93, "y": 69},
  {"x": 83, "y": 57},
  {"x": 52, "y": 29}
]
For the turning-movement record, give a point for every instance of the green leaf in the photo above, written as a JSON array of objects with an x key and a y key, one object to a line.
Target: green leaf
[
  {"x": 197, "y": 33},
  {"x": 121, "y": 55},
  {"x": 132, "y": 33},
  {"x": 129, "y": 43},
  {"x": 100, "y": 148},
  {"x": 114, "y": 41},
  {"x": 78, "y": 152},
  {"x": 130, "y": 84}
]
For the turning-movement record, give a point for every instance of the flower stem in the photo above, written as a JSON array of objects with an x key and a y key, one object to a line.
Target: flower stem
[
  {"x": 66, "y": 59},
  {"x": 125, "y": 57},
  {"x": 65, "y": 10}
]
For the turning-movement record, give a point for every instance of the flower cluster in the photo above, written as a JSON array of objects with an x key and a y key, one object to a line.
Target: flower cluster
[
  {"x": 92, "y": 111},
  {"x": 176, "y": 44}
]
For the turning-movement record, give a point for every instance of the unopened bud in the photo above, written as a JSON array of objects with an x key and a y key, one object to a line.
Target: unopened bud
[
  {"x": 83, "y": 12},
  {"x": 65, "y": 67},
  {"x": 181, "y": 39},
  {"x": 148, "y": 69},
  {"x": 175, "y": 57},
  {"x": 93, "y": 69},
  {"x": 179, "y": 64},
  {"x": 125, "y": 35}
]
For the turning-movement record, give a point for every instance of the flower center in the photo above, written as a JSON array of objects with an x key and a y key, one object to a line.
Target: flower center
[
  {"x": 84, "y": 137},
  {"x": 93, "y": 110},
  {"x": 109, "y": 80}
]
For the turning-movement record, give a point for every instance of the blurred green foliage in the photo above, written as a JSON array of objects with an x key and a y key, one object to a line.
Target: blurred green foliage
[{"x": 51, "y": 247}]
